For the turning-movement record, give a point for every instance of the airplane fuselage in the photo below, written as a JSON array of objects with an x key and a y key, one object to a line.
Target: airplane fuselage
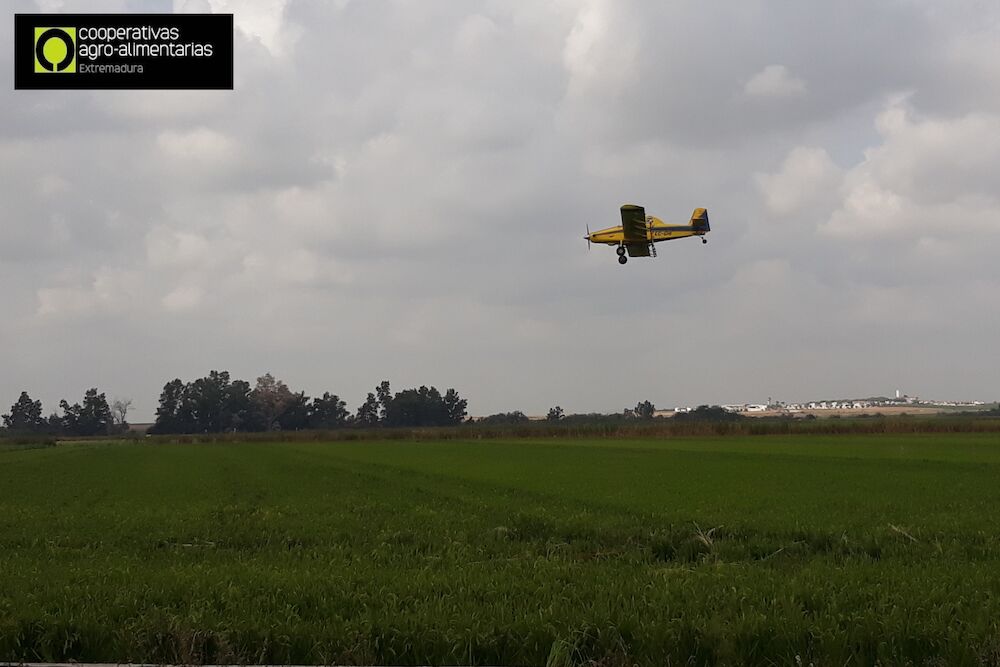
[{"x": 656, "y": 230}]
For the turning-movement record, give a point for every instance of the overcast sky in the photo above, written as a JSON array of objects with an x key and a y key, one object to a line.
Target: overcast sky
[{"x": 398, "y": 189}]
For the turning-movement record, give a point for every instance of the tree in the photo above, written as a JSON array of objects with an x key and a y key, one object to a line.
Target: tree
[
  {"x": 368, "y": 412},
  {"x": 69, "y": 420},
  {"x": 644, "y": 410},
  {"x": 205, "y": 399},
  {"x": 92, "y": 418},
  {"x": 211, "y": 404},
  {"x": 555, "y": 414},
  {"x": 328, "y": 412},
  {"x": 214, "y": 404},
  {"x": 95, "y": 417},
  {"x": 384, "y": 395},
  {"x": 295, "y": 416},
  {"x": 25, "y": 416},
  {"x": 455, "y": 407},
  {"x": 170, "y": 416},
  {"x": 54, "y": 423},
  {"x": 425, "y": 406},
  {"x": 270, "y": 397},
  {"x": 515, "y": 417},
  {"x": 417, "y": 407},
  {"x": 239, "y": 411},
  {"x": 119, "y": 410}
]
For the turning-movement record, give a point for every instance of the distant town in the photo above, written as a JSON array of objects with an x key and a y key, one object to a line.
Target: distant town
[{"x": 900, "y": 403}]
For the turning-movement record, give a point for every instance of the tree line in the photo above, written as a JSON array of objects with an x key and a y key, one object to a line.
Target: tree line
[
  {"x": 93, "y": 417},
  {"x": 217, "y": 403},
  {"x": 643, "y": 411}
]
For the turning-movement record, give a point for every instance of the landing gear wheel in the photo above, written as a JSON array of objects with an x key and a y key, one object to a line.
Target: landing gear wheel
[
  {"x": 620, "y": 250},
  {"x": 622, "y": 259},
  {"x": 704, "y": 240}
]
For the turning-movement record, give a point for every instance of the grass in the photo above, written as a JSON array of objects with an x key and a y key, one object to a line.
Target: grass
[{"x": 850, "y": 549}]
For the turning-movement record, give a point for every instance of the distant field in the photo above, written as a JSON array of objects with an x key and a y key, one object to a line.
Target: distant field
[{"x": 741, "y": 550}]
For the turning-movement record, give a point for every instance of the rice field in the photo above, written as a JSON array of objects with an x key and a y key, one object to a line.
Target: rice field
[{"x": 798, "y": 549}]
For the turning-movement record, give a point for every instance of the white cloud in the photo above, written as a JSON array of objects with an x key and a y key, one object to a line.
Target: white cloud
[
  {"x": 162, "y": 106},
  {"x": 597, "y": 53},
  {"x": 775, "y": 81},
  {"x": 108, "y": 290},
  {"x": 167, "y": 247},
  {"x": 198, "y": 146},
  {"x": 475, "y": 36},
  {"x": 297, "y": 267},
  {"x": 52, "y": 184},
  {"x": 929, "y": 177},
  {"x": 807, "y": 176},
  {"x": 261, "y": 20},
  {"x": 64, "y": 300},
  {"x": 184, "y": 297}
]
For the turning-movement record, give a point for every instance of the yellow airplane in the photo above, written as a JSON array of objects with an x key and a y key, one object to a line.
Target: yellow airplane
[{"x": 638, "y": 232}]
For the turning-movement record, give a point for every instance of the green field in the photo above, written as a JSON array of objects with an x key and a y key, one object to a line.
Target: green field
[{"x": 740, "y": 550}]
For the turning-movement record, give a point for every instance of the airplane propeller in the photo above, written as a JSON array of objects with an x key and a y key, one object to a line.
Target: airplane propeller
[{"x": 588, "y": 236}]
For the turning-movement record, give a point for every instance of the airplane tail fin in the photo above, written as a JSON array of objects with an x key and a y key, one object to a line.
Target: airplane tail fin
[{"x": 699, "y": 220}]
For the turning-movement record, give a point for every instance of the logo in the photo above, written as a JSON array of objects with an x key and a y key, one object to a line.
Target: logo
[
  {"x": 55, "y": 50},
  {"x": 123, "y": 51}
]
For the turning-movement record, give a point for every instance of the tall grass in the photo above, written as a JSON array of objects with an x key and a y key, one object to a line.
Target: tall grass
[{"x": 841, "y": 549}]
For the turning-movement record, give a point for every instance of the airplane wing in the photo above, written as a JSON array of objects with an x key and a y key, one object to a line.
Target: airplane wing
[
  {"x": 638, "y": 249},
  {"x": 634, "y": 224}
]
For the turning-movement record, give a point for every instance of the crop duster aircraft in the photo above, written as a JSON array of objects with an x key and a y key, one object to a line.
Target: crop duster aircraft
[{"x": 638, "y": 232}]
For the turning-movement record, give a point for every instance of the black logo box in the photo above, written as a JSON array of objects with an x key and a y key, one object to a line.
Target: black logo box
[{"x": 159, "y": 73}]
